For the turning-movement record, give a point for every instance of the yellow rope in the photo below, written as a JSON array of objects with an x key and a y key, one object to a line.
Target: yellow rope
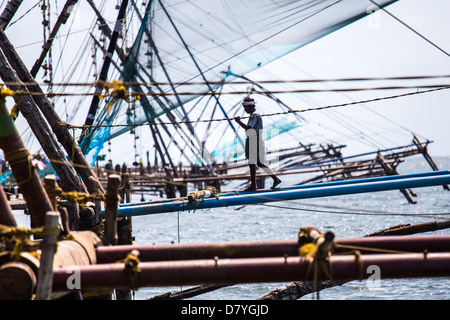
[
  {"x": 19, "y": 237},
  {"x": 131, "y": 262},
  {"x": 119, "y": 91},
  {"x": 19, "y": 156},
  {"x": 22, "y": 232},
  {"x": 5, "y": 93},
  {"x": 9, "y": 93}
]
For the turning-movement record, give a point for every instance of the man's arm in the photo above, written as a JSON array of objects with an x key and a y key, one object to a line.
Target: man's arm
[{"x": 243, "y": 125}]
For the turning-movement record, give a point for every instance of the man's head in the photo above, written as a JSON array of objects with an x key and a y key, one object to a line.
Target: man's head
[{"x": 249, "y": 104}]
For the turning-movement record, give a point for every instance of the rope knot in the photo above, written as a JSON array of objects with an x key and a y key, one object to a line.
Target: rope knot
[
  {"x": 119, "y": 91},
  {"x": 131, "y": 263},
  {"x": 316, "y": 247},
  {"x": 5, "y": 93}
]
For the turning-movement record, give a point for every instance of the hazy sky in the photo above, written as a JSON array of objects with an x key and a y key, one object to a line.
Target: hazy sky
[
  {"x": 380, "y": 46},
  {"x": 376, "y": 46}
]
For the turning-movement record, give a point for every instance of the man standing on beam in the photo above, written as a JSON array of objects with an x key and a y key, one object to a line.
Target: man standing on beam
[{"x": 255, "y": 149}]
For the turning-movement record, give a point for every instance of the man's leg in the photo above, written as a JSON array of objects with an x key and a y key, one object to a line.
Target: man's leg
[
  {"x": 269, "y": 172},
  {"x": 252, "y": 186}
]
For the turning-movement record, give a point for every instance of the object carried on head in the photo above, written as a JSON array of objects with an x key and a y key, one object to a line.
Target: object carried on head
[{"x": 248, "y": 102}]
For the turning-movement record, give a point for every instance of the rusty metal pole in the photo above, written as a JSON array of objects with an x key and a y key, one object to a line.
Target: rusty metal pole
[
  {"x": 254, "y": 270},
  {"x": 270, "y": 248}
]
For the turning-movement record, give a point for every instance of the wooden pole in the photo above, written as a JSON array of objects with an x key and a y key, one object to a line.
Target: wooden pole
[
  {"x": 69, "y": 179},
  {"x": 62, "y": 19},
  {"x": 6, "y": 215},
  {"x": 9, "y": 12},
  {"x": 48, "y": 246},
  {"x": 61, "y": 132},
  {"x": 25, "y": 174},
  {"x": 49, "y": 184},
  {"x": 107, "y": 62},
  {"x": 424, "y": 150},
  {"x": 390, "y": 170},
  {"x": 112, "y": 204},
  {"x": 407, "y": 229}
]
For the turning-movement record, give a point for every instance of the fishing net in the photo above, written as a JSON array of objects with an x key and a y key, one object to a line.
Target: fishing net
[{"x": 185, "y": 49}]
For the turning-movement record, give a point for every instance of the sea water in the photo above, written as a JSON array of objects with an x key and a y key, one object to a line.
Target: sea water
[{"x": 258, "y": 222}]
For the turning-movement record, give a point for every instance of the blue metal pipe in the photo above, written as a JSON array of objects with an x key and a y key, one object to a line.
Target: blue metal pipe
[
  {"x": 315, "y": 185},
  {"x": 314, "y": 191}
]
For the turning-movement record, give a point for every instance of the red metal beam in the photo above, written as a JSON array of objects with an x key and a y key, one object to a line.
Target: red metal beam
[
  {"x": 255, "y": 270},
  {"x": 274, "y": 248}
]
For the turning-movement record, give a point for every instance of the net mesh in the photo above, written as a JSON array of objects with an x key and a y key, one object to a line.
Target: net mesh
[{"x": 208, "y": 42}]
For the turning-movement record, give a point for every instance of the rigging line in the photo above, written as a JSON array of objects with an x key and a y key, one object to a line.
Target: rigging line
[
  {"x": 23, "y": 14},
  {"x": 364, "y": 106},
  {"x": 343, "y": 208},
  {"x": 274, "y": 114},
  {"x": 82, "y": 30},
  {"x": 63, "y": 47},
  {"x": 212, "y": 93},
  {"x": 189, "y": 126},
  {"x": 268, "y": 94},
  {"x": 201, "y": 73},
  {"x": 259, "y": 42},
  {"x": 236, "y": 82},
  {"x": 362, "y": 136},
  {"x": 413, "y": 30},
  {"x": 208, "y": 127},
  {"x": 354, "y": 126},
  {"x": 182, "y": 150},
  {"x": 430, "y": 215}
]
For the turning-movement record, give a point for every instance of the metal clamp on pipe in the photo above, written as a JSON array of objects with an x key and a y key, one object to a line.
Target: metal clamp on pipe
[{"x": 201, "y": 194}]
